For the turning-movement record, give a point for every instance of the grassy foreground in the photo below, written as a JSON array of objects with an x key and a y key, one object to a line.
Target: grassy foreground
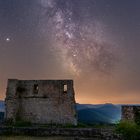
[{"x": 129, "y": 130}]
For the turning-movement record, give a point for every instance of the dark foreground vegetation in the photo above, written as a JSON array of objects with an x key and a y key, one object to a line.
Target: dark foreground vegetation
[
  {"x": 129, "y": 130},
  {"x": 21, "y": 123}
]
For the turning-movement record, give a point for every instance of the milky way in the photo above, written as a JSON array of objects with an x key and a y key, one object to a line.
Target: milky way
[
  {"x": 81, "y": 45},
  {"x": 93, "y": 42}
]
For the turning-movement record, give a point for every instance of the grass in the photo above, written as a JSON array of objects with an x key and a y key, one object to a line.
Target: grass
[
  {"x": 129, "y": 130},
  {"x": 18, "y": 123}
]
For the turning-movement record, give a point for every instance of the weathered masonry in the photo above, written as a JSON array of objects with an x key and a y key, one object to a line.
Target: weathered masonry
[
  {"x": 131, "y": 113},
  {"x": 41, "y": 101}
]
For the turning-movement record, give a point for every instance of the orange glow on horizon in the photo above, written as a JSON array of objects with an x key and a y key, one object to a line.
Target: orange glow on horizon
[{"x": 94, "y": 100}]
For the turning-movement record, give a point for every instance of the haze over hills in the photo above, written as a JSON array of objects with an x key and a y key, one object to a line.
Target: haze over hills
[
  {"x": 102, "y": 113},
  {"x": 2, "y": 109}
]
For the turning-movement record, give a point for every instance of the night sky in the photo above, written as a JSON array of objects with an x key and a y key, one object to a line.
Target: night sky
[{"x": 94, "y": 42}]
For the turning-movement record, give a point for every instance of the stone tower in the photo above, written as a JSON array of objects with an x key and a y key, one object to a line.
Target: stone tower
[{"x": 41, "y": 101}]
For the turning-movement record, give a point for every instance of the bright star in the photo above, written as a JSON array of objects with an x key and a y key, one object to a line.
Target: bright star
[{"x": 7, "y": 39}]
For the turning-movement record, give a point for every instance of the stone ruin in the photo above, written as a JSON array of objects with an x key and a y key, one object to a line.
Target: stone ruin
[
  {"x": 41, "y": 101},
  {"x": 131, "y": 113}
]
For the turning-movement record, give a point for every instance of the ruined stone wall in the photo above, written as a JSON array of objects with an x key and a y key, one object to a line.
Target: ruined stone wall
[
  {"x": 131, "y": 113},
  {"x": 41, "y": 101},
  {"x": 127, "y": 113},
  {"x": 11, "y": 102}
]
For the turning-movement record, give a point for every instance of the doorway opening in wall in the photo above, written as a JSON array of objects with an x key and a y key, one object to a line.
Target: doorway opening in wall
[{"x": 36, "y": 88}]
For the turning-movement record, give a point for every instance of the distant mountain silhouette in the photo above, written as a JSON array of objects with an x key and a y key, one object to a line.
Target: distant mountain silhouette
[
  {"x": 2, "y": 109},
  {"x": 102, "y": 113}
]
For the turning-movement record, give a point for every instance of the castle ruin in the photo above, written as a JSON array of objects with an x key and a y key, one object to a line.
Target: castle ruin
[
  {"x": 41, "y": 101},
  {"x": 131, "y": 113}
]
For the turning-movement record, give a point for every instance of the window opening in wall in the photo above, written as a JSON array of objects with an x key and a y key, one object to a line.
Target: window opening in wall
[
  {"x": 65, "y": 88},
  {"x": 36, "y": 88}
]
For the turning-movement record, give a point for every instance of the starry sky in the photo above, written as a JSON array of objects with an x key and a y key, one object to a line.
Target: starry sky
[{"x": 94, "y": 42}]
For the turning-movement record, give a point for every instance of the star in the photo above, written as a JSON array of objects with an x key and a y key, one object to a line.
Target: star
[{"x": 8, "y": 39}]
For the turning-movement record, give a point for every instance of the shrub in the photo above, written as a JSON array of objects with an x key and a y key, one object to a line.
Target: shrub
[
  {"x": 137, "y": 118},
  {"x": 18, "y": 123},
  {"x": 22, "y": 124},
  {"x": 129, "y": 130}
]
